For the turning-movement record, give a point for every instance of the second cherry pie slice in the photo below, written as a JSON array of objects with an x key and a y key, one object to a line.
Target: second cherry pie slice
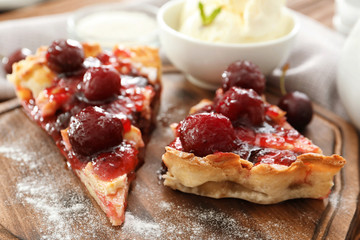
[{"x": 240, "y": 146}]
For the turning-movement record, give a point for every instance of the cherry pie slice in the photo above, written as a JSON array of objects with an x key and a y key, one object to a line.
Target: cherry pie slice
[
  {"x": 240, "y": 146},
  {"x": 98, "y": 107}
]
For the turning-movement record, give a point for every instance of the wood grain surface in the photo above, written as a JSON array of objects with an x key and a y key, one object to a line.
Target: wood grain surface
[
  {"x": 61, "y": 209},
  {"x": 41, "y": 199}
]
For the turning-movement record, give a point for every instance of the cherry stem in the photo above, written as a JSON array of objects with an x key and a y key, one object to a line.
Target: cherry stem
[{"x": 282, "y": 78}]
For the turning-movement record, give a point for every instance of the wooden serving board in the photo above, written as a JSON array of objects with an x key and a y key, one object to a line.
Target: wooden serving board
[{"x": 40, "y": 198}]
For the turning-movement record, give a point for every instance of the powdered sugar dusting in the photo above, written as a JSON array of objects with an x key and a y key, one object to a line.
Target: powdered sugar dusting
[
  {"x": 46, "y": 199},
  {"x": 18, "y": 154},
  {"x": 165, "y": 206},
  {"x": 62, "y": 209},
  {"x": 200, "y": 218},
  {"x": 50, "y": 192},
  {"x": 69, "y": 214},
  {"x": 144, "y": 228},
  {"x": 65, "y": 211},
  {"x": 163, "y": 226}
]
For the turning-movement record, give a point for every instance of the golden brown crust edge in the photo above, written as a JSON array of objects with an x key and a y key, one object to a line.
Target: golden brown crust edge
[{"x": 226, "y": 175}]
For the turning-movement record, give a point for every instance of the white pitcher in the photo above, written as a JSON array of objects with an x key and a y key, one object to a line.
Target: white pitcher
[{"x": 348, "y": 77}]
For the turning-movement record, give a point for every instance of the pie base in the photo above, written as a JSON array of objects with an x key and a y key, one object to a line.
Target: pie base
[{"x": 226, "y": 175}]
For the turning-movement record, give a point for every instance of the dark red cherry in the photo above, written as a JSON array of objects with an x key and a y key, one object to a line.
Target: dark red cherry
[
  {"x": 244, "y": 74},
  {"x": 101, "y": 83},
  {"x": 92, "y": 130},
  {"x": 207, "y": 133},
  {"x": 65, "y": 56},
  {"x": 243, "y": 105},
  {"x": 16, "y": 56},
  {"x": 298, "y": 109}
]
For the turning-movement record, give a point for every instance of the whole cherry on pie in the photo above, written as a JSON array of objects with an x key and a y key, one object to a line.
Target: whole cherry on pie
[
  {"x": 16, "y": 56},
  {"x": 65, "y": 55},
  {"x": 244, "y": 74},
  {"x": 93, "y": 130},
  {"x": 242, "y": 105},
  {"x": 207, "y": 133},
  {"x": 101, "y": 83}
]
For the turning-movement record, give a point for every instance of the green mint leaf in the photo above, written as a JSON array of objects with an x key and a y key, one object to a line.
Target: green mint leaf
[
  {"x": 207, "y": 20},
  {"x": 202, "y": 12}
]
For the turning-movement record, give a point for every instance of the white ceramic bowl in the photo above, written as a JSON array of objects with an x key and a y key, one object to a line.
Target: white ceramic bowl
[
  {"x": 204, "y": 62},
  {"x": 115, "y": 23}
]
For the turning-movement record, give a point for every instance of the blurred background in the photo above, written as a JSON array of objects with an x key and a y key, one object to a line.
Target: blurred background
[{"x": 321, "y": 10}]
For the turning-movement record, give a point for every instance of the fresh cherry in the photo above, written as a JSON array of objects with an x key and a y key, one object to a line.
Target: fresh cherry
[
  {"x": 244, "y": 74},
  {"x": 206, "y": 133},
  {"x": 16, "y": 56},
  {"x": 92, "y": 130},
  {"x": 101, "y": 83},
  {"x": 298, "y": 109},
  {"x": 242, "y": 105},
  {"x": 65, "y": 56}
]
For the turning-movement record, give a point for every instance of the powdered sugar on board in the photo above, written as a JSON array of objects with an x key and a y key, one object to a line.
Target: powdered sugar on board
[
  {"x": 58, "y": 207},
  {"x": 66, "y": 212},
  {"x": 163, "y": 226}
]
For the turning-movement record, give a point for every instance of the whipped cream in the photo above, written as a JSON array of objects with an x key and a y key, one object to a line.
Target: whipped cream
[{"x": 239, "y": 21}]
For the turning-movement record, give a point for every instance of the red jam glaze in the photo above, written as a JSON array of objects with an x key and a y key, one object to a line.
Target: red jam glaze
[
  {"x": 276, "y": 157},
  {"x": 273, "y": 113},
  {"x": 122, "y": 52},
  {"x": 121, "y": 159},
  {"x": 177, "y": 144},
  {"x": 276, "y": 137},
  {"x": 272, "y": 142},
  {"x": 119, "y": 59},
  {"x": 60, "y": 95},
  {"x": 107, "y": 165},
  {"x": 135, "y": 94},
  {"x": 254, "y": 154}
]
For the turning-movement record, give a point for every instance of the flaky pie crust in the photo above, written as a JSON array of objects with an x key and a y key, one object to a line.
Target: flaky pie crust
[{"x": 226, "y": 175}]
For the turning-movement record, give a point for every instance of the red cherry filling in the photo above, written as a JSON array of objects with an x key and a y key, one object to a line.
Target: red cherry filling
[
  {"x": 242, "y": 105},
  {"x": 65, "y": 56},
  {"x": 273, "y": 156},
  {"x": 104, "y": 57},
  {"x": 121, "y": 160},
  {"x": 92, "y": 130},
  {"x": 101, "y": 83},
  {"x": 207, "y": 133},
  {"x": 243, "y": 74},
  {"x": 298, "y": 109},
  {"x": 16, "y": 56}
]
